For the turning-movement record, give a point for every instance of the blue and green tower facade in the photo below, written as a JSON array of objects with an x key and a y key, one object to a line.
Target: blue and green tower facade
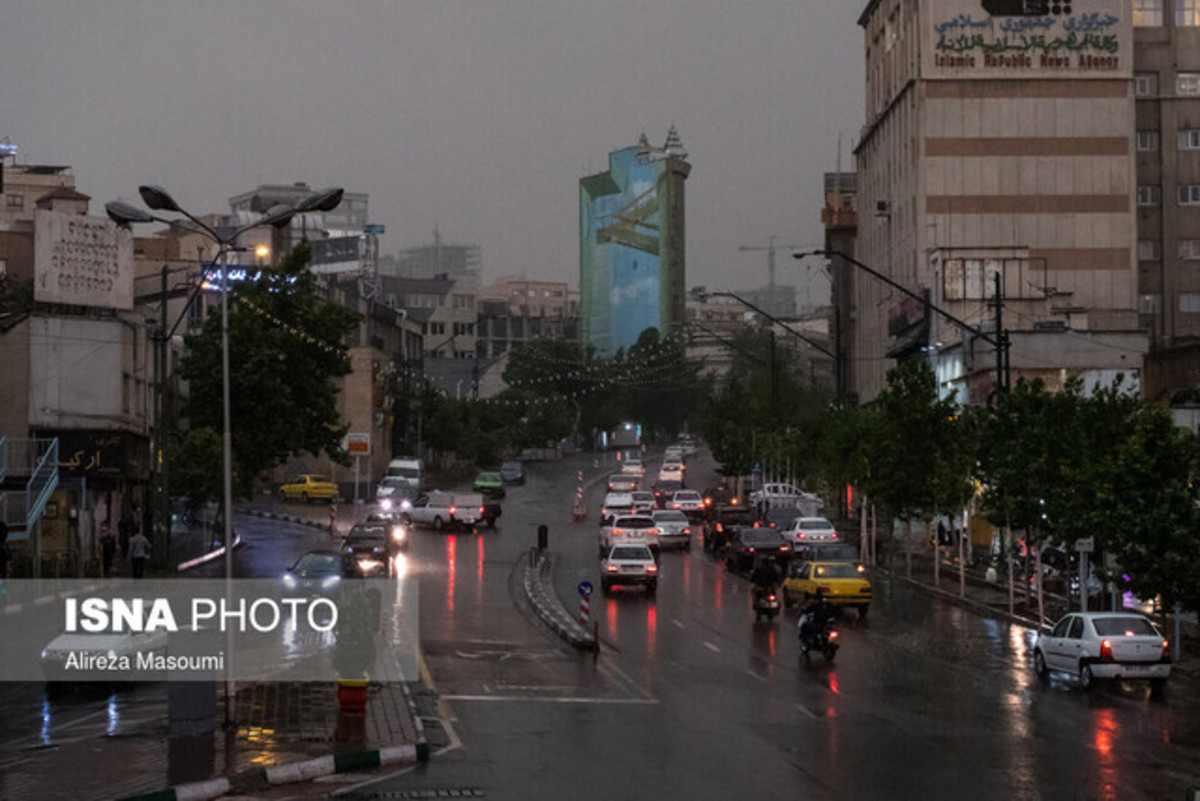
[{"x": 632, "y": 265}]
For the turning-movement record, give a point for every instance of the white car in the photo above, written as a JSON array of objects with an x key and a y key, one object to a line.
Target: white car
[
  {"x": 671, "y": 471},
  {"x": 629, "y": 564},
  {"x": 1104, "y": 645},
  {"x": 644, "y": 501},
  {"x": 776, "y": 495},
  {"x": 629, "y": 528},
  {"x": 674, "y": 529},
  {"x": 806, "y": 530},
  {"x": 690, "y": 502},
  {"x": 633, "y": 467},
  {"x": 616, "y": 503}
]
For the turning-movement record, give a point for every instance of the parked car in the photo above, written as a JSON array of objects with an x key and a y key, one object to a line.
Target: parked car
[
  {"x": 809, "y": 529},
  {"x": 307, "y": 488},
  {"x": 674, "y": 529},
  {"x": 1103, "y": 645},
  {"x": 513, "y": 472},
  {"x": 490, "y": 483},
  {"x": 842, "y": 584},
  {"x": 622, "y": 482},
  {"x": 749, "y": 543},
  {"x": 629, "y": 564}
]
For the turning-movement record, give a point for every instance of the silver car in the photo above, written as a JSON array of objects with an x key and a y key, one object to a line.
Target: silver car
[
  {"x": 1103, "y": 645},
  {"x": 674, "y": 529}
]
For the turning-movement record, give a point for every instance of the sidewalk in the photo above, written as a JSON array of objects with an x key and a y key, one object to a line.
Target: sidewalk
[{"x": 991, "y": 600}]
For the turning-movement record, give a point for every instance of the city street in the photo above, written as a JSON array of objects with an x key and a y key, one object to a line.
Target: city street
[{"x": 690, "y": 698}]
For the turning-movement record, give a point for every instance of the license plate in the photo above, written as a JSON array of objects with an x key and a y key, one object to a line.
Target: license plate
[{"x": 630, "y": 569}]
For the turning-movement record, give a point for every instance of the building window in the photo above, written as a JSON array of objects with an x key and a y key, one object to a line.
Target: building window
[
  {"x": 1187, "y": 83},
  {"x": 1150, "y": 304},
  {"x": 1145, "y": 84},
  {"x": 1148, "y": 250},
  {"x": 1148, "y": 13},
  {"x": 464, "y": 301},
  {"x": 1189, "y": 302},
  {"x": 1189, "y": 139},
  {"x": 1187, "y": 13},
  {"x": 1147, "y": 141},
  {"x": 15, "y": 202},
  {"x": 1189, "y": 249},
  {"x": 1149, "y": 195},
  {"x": 1189, "y": 195},
  {"x": 437, "y": 329}
]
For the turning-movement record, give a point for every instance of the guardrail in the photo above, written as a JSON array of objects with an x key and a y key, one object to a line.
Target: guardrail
[{"x": 22, "y": 508}]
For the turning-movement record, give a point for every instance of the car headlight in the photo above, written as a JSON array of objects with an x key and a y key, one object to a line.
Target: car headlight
[
  {"x": 45, "y": 653},
  {"x": 386, "y": 503},
  {"x": 289, "y": 580},
  {"x": 332, "y": 581},
  {"x": 399, "y": 534}
]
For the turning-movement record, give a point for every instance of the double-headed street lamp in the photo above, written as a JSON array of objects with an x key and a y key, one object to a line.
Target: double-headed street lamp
[{"x": 277, "y": 216}]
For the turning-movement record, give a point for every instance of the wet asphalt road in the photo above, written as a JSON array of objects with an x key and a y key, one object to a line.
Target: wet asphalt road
[{"x": 691, "y": 699}]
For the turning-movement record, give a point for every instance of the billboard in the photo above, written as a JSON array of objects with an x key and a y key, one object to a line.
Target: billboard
[
  {"x": 81, "y": 261},
  {"x": 1028, "y": 38},
  {"x": 631, "y": 248}
]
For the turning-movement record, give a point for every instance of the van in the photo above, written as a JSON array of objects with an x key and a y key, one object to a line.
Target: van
[{"x": 409, "y": 468}]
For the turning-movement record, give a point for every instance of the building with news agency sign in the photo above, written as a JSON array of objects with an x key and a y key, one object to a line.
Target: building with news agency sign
[{"x": 999, "y": 142}]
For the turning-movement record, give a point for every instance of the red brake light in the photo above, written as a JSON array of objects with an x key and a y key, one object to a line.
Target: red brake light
[
  {"x": 1166, "y": 647},
  {"x": 734, "y": 502},
  {"x": 720, "y": 527},
  {"x": 651, "y": 568},
  {"x": 453, "y": 509},
  {"x": 751, "y": 549},
  {"x": 687, "y": 531},
  {"x": 861, "y": 569},
  {"x": 612, "y": 568},
  {"x": 1105, "y": 649},
  {"x": 708, "y": 501},
  {"x": 833, "y": 635},
  {"x": 480, "y": 510}
]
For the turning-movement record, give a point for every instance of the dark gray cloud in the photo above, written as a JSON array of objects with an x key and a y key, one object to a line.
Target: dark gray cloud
[{"x": 478, "y": 117}]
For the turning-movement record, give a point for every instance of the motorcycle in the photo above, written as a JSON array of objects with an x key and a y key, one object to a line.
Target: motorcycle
[
  {"x": 824, "y": 639},
  {"x": 766, "y": 604}
]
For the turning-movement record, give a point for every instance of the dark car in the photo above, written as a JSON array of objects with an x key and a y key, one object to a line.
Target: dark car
[
  {"x": 490, "y": 484},
  {"x": 512, "y": 473},
  {"x": 750, "y": 543},
  {"x": 319, "y": 573},
  {"x": 778, "y": 516},
  {"x": 722, "y": 523},
  {"x": 720, "y": 495},
  {"x": 371, "y": 546},
  {"x": 664, "y": 490},
  {"x": 491, "y": 511}
]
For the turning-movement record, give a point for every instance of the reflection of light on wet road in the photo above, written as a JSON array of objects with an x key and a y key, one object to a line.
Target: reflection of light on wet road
[
  {"x": 833, "y": 683},
  {"x": 399, "y": 566},
  {"x": 479, "y": 570},
  {"x": 687, "y": 573},
  {"x": 651, "y": 629},
  {"x": 114, "y": 716},
  {"x": 1104, "y": 739},
  {"x": 46, "y": 721},
  {"x": 610, "y": 615},
  {"x": 451, "y": 569}
]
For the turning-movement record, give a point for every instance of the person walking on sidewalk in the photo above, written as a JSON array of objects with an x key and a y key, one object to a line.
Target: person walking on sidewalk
[
  {"x": 4, "y": 555},
  {"x": 139, "y": 550},
  {"x": 108, "y": 548}
]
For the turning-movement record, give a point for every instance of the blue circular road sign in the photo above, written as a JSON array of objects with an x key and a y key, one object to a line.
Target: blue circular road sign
[{"x": 585, "y": 588}]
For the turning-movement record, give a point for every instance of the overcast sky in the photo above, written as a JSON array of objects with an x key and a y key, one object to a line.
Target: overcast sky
[{"x": 477, "y": 117}]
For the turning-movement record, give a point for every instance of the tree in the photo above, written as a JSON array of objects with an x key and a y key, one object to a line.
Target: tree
[
  {"x": 286, "y": 350},
  {"x": 197, "y": 466}
]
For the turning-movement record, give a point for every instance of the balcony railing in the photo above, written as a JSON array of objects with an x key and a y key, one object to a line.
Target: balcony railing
[{"x": 36, "y": 461}]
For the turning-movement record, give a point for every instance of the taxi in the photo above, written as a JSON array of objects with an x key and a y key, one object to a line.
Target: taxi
[
  {"x": 309, "y": 487},
  {"x": 842, "y": 584}
]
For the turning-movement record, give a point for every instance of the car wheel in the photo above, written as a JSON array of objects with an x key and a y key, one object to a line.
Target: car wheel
[
  {"x": 1039, "y": 664},
  {"x": 304, "y": 497},
  {"x": 438, "y": 525},
  {"x": 1086, "y": 679}
]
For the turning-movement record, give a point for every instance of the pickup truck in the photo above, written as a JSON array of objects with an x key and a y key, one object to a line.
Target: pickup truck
[{"x": 443, "y": 510}]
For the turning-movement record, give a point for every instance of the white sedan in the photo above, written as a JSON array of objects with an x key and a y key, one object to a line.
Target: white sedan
[
  {"x": 1104, "y": 645},
  {"x": 674, "y": 529},
  {"x": 690, "y": 502}
]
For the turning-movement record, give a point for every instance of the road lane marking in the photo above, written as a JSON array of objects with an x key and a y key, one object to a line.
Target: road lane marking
[
  {"x": 557, "y": 700},
  {"x": 710, "y": 646},
  {"x": 678, "y": 623},
  {"x": 806, "y": 711},
  {"x": 750, "y": 672}
]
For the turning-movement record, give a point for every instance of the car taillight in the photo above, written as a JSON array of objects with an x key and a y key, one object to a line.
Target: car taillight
[
  {"x": 453, "y": 509},
  {"x": 771, "y": 598},
  {"x": 862, "y": 569},
  {"x": 1166, "y": 648},
  {"x": 652, "y": 532},
  {"x": 687, "y": 531},
  {"x": 677, "y": 505},
  {"x": 751, "y": 550},
  {"x": 734, "y": 502},
  {"x": 612, "y": 568},
  {"x": 651, "y": 568},
  {"x": 481, "y": 510},
  {"x": 833, "y": 634},
  {"x": 801, "y": 536},
  {"x": 784, "y": 548},
  {"x": 1105, "y": 649},
  {"x": 708, "y": 501},
  {"x": 720, "y": 527}
]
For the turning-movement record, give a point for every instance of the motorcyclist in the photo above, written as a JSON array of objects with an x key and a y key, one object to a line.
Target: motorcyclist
[
  {"x": 815, "y": 616},
  {"x": 765, "y": 576}
]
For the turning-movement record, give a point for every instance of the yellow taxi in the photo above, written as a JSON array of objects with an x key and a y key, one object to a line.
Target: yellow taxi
[
  {"x": 309, "y": 487},
  {"x": 842, "y": 584}
]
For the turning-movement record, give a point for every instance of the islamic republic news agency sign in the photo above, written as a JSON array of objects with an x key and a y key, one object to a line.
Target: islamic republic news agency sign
[
  {"x": 193, "y": 630},
  {"x": 1028, "y": 38}
]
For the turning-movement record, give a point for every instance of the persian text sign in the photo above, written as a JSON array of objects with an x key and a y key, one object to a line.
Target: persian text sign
[
  {"x": 1003, "y": 40},
  {"x": 82, "y": 261}
]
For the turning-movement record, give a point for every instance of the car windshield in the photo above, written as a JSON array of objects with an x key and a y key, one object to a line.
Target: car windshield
[
  {"x": 365, "y": 533},
  {"x": 835, "y": 570},
  {"x": 486, "y": 477},
  {"x": 318, "y": 562},
  {"x": 1127, "y": 625},
  {"x": 511, "y": 467},
  {"x": 631, "y": 553},
  {"x": 815, "y": 524},
  {"x": 671, "y": 516},
  {"x": 635, "y": 522},
  {"x": 394, "y": 482},
  {"x": 404, "y": 472},
  {"x": 687, "y": 496},
  {"x": 643, "y": 496}
]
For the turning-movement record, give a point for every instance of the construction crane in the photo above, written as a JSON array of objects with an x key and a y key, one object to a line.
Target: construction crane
[{"x": 771, "y": 247}]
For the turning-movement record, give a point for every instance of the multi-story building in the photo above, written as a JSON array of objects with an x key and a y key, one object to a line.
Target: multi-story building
[
  {"x": 439, "y": 258},
  {"x": 516, "y": 310},
  {"x": 445, "y": 308},
  {"x": 839, "y": 216},
  {"x": 998, "y": 150},
  {"x": 1167, "y": 144},
  {"x": 632, "y": 266}
]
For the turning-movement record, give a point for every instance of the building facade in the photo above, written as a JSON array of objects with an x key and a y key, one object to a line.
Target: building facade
[
  {"x": 998, "y": 151},
  {"x": 516, "y": 310},
  {"x": 1167, "y": 144},
  {"x": 632, "y": 260}
]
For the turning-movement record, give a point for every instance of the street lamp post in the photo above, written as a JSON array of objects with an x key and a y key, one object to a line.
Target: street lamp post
[{"x": 277, "y": 216}]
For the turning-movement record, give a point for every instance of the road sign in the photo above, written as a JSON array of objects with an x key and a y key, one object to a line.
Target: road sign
[
  {"x": 1085, "y": 544},
  {"x": 585, "y": 589},
  {"x": 358, "y": 444}
]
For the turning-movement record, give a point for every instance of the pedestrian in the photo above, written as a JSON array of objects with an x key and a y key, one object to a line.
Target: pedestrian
[
  {"x": 4, "y": 555},
  {"x": 139, "y": 550},
  {"x": 124, "y": 532},
  {"x": 108, "y": 548}
]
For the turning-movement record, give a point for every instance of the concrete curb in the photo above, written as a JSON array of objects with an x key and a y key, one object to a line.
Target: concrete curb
[
  {"x": 259, "y": 778},
  {"x": 549, "y": 608},
  {"x": 208, "y": 557},
  {"x": 302, "y": 521}
]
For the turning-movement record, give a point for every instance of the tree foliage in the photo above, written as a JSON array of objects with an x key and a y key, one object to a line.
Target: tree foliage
[{"x": 286, "y": 350}]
